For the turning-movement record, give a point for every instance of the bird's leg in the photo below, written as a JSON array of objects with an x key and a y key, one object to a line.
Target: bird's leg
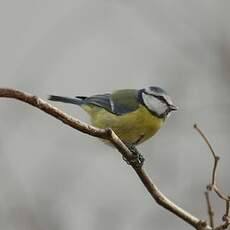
[
  {"x": 137, "y": 155},
  {"x": 138, "y": 159}
]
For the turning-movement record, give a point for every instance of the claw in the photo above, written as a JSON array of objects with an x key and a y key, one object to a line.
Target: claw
[{"x": 138, "y": 159}]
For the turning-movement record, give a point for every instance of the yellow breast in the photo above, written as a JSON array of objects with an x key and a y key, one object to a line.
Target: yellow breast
[{"x": 132, "y": 128}]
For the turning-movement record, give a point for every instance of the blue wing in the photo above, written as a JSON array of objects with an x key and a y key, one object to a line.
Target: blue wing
[{"x": 120, "y": 102}]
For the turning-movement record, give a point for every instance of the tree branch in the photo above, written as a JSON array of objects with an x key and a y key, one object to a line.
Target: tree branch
[
  {"x": 213, "y": 186},
  {"x": 108, "y": 134},
  {"x": 210, "y": 211}
]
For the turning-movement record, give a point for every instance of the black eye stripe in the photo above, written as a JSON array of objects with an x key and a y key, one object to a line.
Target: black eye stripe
[{"x": 161, "y": 98}]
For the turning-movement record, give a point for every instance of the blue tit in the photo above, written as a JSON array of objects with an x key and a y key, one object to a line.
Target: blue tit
[{"x": 134, "y": 115}]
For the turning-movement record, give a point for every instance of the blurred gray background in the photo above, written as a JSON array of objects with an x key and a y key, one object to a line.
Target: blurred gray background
[{"x": 55, "y": 178}]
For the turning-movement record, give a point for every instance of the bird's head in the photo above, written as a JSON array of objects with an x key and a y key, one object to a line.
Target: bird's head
[{"x": 157, "y": 101}]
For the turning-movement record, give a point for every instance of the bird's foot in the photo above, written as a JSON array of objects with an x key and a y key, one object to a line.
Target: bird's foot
[{"x": 137, "y": 159}]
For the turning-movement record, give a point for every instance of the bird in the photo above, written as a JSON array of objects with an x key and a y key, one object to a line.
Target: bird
[{"x": 134, "y": 115}]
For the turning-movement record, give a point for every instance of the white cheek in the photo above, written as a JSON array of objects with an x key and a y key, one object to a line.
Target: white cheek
[{"x": 154, "y": 104}]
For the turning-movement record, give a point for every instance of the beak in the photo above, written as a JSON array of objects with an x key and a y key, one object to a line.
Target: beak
[{"x": 173, "y": 107}]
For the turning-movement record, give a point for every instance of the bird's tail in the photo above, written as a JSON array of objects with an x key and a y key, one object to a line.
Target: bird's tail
[{"x": 76, "y": 100}]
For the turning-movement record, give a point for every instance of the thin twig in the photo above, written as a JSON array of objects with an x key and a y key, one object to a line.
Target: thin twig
[
  {"x": 226, "y": 217},
  {"x": 205, "y": 139},
  {"x": 210, "y": 211},
  {"x": 213, "y": 186},
  {"x": 108, "y": 134}
]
